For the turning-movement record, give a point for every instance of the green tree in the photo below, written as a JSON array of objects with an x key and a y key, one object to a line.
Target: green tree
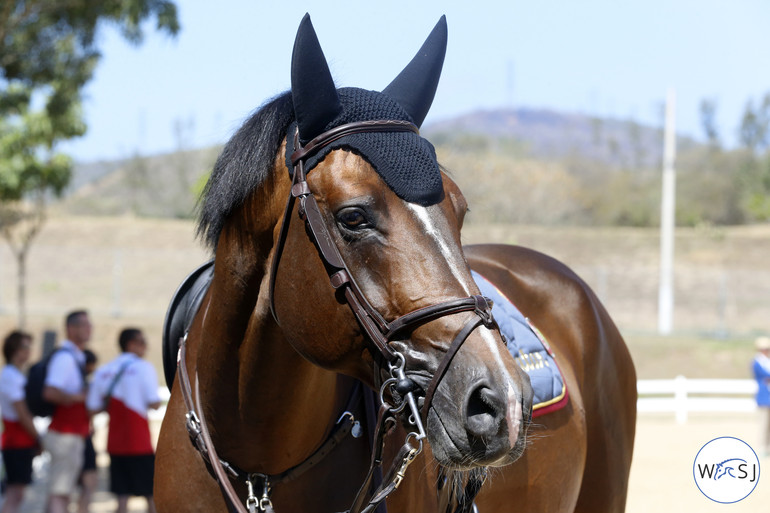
[
  {"x": 754, "y": 130},
  {"x": 708, "y": 113},
  {"x": 48, "y": 53},
  {"x": 754, "y": 172}
]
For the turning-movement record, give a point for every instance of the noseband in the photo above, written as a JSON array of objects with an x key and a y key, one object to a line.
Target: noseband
[{"x": 379, "y": 331}]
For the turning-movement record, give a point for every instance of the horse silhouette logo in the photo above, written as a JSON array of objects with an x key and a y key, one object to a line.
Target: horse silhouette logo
[{"x": 723, "y": 469}]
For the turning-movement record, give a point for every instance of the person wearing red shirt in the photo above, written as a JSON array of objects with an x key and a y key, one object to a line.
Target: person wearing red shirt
[
  {"x": 127, "y": 387},
  {"x": 65, "y": 386},
  {"x": 20, "y": 438}
]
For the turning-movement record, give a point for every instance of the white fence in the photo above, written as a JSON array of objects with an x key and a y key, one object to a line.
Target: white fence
[
  {"x": 678, "y": 396},
  {"x": 681, "y": 396}
]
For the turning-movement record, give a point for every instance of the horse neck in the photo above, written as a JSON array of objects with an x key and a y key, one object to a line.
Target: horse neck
[{"x": 257, "y": 393}]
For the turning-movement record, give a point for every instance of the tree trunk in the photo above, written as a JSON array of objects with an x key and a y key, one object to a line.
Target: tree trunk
[{"x": 21, "y": 284}]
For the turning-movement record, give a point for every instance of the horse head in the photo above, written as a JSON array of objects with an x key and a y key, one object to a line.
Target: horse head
[{"x": 390, "y": 224}]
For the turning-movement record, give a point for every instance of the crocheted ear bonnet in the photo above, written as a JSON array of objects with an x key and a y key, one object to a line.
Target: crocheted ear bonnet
[{"x": 405, "y": 161}]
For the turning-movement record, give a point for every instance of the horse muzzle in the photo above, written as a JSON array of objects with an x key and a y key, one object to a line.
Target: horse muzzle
[{"x": 478, "y": 416}]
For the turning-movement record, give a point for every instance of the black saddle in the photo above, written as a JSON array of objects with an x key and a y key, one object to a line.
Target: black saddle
[{"x": 181, "y": 311}]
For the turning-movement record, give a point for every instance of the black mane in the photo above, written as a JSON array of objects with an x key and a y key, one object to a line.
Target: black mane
[{"x": 245, "y": 162}]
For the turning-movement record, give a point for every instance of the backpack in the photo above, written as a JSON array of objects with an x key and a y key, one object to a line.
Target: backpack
[
  {"x": 111, "y": 389},
  {"x": 33, "y": 390}
]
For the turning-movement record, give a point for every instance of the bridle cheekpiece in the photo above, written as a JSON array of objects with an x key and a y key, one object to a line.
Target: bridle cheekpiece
[{"x": 379, "y": 332}]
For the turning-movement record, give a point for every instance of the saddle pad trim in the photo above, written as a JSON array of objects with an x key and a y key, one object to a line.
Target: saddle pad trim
[{"x": 559, "y": 401}]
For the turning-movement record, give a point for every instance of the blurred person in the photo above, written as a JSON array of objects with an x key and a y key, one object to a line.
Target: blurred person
[
  {"x": 65, "y": 387},
  {"x": 20, "y": 440},
  {"x": 89, "y": 478},
  {"x": 761, "y": 368},
  {"x": 126, "y": 388}
]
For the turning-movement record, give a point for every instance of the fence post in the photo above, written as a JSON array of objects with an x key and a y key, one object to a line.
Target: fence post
[
  {"x": 117, "y": 282},
  {"x": 680, "y": 399},
  {"x": 49, "y": 342}
]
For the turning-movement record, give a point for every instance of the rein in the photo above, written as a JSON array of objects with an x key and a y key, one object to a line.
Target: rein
[
  {"x": 379, "y": 334},
  {"x": 197, "y": 428}
]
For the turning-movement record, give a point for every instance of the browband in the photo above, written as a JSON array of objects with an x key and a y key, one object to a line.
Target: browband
[{"x": 306, "y": 151}]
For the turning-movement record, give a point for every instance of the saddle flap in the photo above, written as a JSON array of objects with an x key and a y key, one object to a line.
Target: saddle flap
[{"x": 181, "y": 311}]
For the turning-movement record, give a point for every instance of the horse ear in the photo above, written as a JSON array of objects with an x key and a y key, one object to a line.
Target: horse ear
[
  {"x": 314, "y": 94},
  {"x": 415, "y": 87}
]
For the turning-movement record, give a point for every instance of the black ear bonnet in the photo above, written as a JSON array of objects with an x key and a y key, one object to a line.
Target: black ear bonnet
[{"x": 405, "y": 161}]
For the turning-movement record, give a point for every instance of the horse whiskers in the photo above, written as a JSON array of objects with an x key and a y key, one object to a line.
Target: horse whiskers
[
  {"x": 457, "y": 480},
  {"x": 492, "y": 474},
  {"x": 535, "y": 432}
]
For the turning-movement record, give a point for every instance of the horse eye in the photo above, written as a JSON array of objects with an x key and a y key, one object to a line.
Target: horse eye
[{"x": 352, "y": 219}]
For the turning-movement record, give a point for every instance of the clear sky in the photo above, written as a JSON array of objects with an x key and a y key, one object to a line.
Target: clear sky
[{"x": 608, "y": 58}]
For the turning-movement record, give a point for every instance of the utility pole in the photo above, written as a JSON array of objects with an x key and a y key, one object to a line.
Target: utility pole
[{"x": 667, "y": 220}]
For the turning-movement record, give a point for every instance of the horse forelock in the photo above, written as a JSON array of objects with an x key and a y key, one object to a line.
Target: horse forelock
[{"x": 244, "y": 164}]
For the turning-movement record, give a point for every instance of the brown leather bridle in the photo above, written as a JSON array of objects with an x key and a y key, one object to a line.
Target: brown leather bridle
[{"x": 379, "y": 333}]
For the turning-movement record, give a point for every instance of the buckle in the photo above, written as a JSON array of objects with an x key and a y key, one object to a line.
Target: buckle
[{"x": 483, "y": 309}]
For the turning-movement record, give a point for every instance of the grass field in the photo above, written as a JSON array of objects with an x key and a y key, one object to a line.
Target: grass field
[{"x": 124, "y": 270}]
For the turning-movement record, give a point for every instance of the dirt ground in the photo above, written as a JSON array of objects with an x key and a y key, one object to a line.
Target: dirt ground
[{"x": 661, "y": 472}]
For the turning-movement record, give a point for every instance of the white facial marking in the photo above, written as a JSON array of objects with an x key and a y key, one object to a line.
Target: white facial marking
[
  {"x": 494, "y": 348},
  {"x": 514, "y": 412},
  {"x": 513, "y": 417},
  {"x": 456, "y": 264},
  {"x": 458, "y": 269}
]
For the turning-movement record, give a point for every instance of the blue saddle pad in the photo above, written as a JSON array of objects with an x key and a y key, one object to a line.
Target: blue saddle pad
[{"x": 529, "y": 348}]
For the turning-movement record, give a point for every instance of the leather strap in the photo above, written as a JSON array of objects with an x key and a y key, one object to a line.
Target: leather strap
[
  {"x": 306, "y": 151},
  {"x": 471, "y": 325},
  {"x": 222, "y": 471},
  {"x": 201, "y": 438},
  {"x": 479, "y": 304}
]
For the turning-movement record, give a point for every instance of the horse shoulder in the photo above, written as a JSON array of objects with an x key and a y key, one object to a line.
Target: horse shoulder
[
  {"x": 563, "y": 307},
  {"x": 557, "y": 301},
  {"x": 573, "y": 320}
]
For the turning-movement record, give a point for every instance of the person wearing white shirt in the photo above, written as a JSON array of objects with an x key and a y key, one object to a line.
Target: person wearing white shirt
[
  {"x": 20, "y": 441},
  {"x": 65, "y": 387},
  {"x": 127, "y": 387}
]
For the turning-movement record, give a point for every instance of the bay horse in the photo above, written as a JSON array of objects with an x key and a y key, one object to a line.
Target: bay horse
[{"x": 369, "y": 289}]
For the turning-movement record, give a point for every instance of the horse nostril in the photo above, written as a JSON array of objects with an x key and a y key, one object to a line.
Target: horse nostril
[{"x": 484, "y": 412}]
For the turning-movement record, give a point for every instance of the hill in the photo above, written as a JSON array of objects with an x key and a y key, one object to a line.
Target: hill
[
  {"x": 165, "y": 185},
  {"x": 146, "y": 186},
  {"x": 563, "y": 169},
  {"x": 547, "y": 134}
]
